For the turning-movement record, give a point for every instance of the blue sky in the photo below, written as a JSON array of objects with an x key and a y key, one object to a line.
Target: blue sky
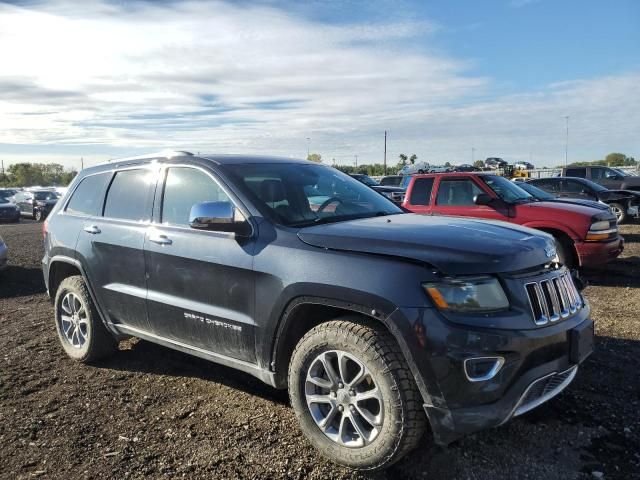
[{"x": 107, "y": 79}]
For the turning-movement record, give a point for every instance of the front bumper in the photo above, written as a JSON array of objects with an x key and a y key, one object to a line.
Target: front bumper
[
  {"x": 592, "y": 254},
  {"x": 538, "y": 364}
]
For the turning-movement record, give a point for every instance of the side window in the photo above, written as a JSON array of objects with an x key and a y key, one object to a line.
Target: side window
[
  {"x": 184, "y": 187},
  {"x": 87, "y": 197},
  {"x": 597, "y": 173},
  {"x": 457, "y": 192},
  {"x": 571, "y": 186},
  {"x": 421, "y": 191},
  {"x": 128, "y": 194},
  {"x": 578, "y": 172},
  {"x": 546, "y": 185}
]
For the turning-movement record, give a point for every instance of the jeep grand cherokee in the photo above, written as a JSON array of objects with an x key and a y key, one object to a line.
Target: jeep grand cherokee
[{"x": 377, "y": 321}]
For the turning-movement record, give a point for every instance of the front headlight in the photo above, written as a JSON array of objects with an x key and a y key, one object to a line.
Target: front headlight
[
  {"x": 480, "y": 294},
  {"x": 600, "y": 230}
]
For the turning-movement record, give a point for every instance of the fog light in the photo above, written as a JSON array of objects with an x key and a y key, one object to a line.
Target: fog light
[{"x": 481, "y": 369}]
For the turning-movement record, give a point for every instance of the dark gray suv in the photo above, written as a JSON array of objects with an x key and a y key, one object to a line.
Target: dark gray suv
[{"x": 377, "y": 321}]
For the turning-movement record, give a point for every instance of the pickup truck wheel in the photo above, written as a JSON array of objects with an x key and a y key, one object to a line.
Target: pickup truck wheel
[
  {"x": 354, "y": 395},
  {"x": 563, "y": 250},
  {"x": 619, "y": 211},
  {"x": 80, "y": 329},
  {"x": 37, "y": 216}
]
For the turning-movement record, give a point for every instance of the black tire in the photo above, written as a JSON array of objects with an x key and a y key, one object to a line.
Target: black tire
[
  {"x": 37, "y": 215},
  {"x": 565, "y": 252},
  {"x": 403, "y": 421},
  {"x": 98, "y": 342},
  {"x": 619, "y": 211},
  {"x": 421, "y": 171}
]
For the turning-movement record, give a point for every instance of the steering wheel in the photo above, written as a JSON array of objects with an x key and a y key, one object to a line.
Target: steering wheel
[{"x": 328, "y": 202}]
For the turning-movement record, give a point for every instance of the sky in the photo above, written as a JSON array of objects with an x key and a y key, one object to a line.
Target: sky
[{"x": 450, "y": 81}]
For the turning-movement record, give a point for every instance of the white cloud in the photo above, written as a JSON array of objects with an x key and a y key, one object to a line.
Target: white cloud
[{"x": 212, "y": 76}]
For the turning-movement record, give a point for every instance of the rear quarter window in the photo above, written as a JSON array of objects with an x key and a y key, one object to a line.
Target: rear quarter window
[
  {"x": 577, "y": 172},
  {"x": 88, "y": 196}
]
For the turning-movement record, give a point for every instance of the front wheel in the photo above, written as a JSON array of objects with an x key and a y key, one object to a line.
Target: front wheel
[
  {"x": 564, "y": 252},
  {"x": 619, "y": 211},
  {"x": 354, "y": 395},
  {"x": 37, "y": 216}
]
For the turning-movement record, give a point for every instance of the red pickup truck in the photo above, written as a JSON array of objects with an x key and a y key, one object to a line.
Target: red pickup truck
[{"x": 584, "y": 236}]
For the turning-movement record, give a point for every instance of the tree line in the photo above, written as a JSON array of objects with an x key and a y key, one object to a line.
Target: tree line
[
  {"x": 612, "y": 160},
  {"x": 41, "y": 174}
]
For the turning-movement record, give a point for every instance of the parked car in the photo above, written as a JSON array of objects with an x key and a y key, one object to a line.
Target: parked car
[
  {"x": 605, "y": 176},
  {"x": 418, "y": 167},
  {"x": 465, "y": 167},
  {"x": 9, "y": 212},
  {"x": 377, "y": 321},
  {"x": 391, "y": 181},
  {"x": 439, "y": 169},
  {"x": 584, "y": 236},
  {"x": 36, "y": 203},
  {"x": 524, "y": 166},
  {"x": 3, "y": 254},
  {"x": 495, "y": 163},
  {"x": 395, "y": 194},
  {"x": 543, "y": 196},
  {"x": 623, "y": 203}
]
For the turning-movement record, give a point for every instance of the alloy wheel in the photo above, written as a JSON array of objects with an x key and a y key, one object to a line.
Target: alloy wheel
[
  {"x": 73, "y": 320},
  {"x": 344, "y": 399}
]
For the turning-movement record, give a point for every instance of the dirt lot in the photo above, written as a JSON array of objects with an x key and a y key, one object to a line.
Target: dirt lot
[{"x": 151, "y": 412}]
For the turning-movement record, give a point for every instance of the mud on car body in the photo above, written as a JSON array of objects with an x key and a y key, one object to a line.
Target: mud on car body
[{"x": 377, "y": 321}]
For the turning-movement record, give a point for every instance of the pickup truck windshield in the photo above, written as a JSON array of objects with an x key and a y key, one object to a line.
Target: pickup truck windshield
[
  {"x": 299, "y": 195},
  {"x": 506, "y": 190}
]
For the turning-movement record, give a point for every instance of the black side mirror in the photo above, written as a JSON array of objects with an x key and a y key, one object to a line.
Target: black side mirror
[
  {"x": 482, "y": 199},
  {"x": 219, "y": 216}
]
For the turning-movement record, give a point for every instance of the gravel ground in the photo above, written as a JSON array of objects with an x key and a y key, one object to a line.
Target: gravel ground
[{"x": 151, "y": 412}]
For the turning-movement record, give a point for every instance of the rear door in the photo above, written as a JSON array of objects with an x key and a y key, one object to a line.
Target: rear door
[
  {"x": 111, "y": 246},
  {"x": 200, "y": 283},
  {"x": 455, "y": 196},
  {"x": 575, "y": 189}
]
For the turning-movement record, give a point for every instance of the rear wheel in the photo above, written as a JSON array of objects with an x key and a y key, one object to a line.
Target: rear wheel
[
  {"x": 619, "y": 211},
  {"x": 37, "y": 215},
  {"x": 80, "y": 329},
  {"x": 354, "y": 395}
]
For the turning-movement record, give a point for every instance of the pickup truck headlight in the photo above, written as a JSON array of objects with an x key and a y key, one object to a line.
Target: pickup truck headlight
[
  {"x": 600, "y": 230},
  {"x": 480, "y": 294}
]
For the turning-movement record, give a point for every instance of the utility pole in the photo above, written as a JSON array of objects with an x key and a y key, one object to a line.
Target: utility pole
[
  {"x": 385, "y": 152},
  {"x": 81, "y": 163},
  {"x": 308, "y": 147},
  {"x": 356, "y": 160},
  {"x": 566, "y": 145},
  {"x": 2, "y": 166}
]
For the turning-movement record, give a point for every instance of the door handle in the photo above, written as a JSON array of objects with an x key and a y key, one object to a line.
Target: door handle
[
  {"x": 92, "y": 229},
  {"x": 160, "y": 239}
]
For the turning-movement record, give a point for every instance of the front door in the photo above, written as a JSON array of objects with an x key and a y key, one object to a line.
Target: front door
[
  {"x": 455, "y": 196},
  {"x": 201, "y": 284}
]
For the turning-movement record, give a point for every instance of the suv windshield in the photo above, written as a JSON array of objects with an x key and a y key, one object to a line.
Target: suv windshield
[
  {"x": 297, "y": 195},
  {"x": 4, "y": 199},
  {"x": 506, "y": 190},
  {"x": 46, "y": 195}
]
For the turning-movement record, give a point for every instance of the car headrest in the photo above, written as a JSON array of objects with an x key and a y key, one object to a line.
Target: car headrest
[{"x": 272, "y": 191}]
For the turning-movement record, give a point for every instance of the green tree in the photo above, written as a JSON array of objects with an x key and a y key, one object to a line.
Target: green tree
[
  {"x": 478, "y": 164},
  {"x": 447, "y": 164},
  {"x": 315, "y": 157},
  {"x": 413, "y": 158}
]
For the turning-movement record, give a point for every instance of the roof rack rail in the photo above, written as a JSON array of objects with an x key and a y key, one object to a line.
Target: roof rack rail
[{"x": 161, "y": 154}]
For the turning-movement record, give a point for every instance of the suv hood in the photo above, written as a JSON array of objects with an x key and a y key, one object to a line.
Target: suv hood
[
  {"x": 453, "y": 245},
  {"x": 387, "y": 188}
]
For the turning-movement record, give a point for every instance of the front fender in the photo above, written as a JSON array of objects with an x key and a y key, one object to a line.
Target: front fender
[{"x": 551, "y": 225}]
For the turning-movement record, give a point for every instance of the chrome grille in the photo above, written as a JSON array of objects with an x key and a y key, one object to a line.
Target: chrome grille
[
  {"x": 553, "y": 298},
  {"x": 543, "y": 389}
]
